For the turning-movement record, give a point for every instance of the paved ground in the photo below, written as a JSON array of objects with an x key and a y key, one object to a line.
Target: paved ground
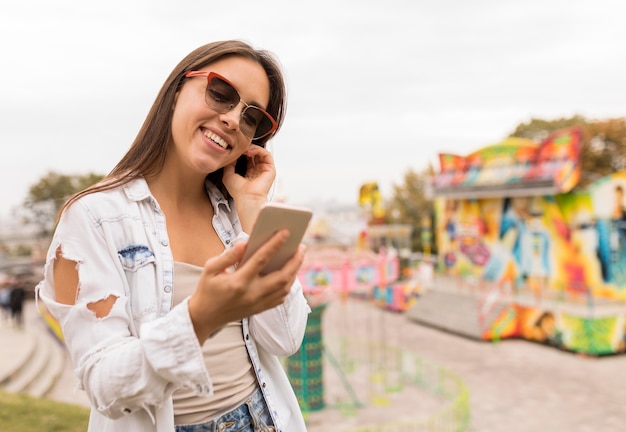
[{"x": 514, "y": 385}]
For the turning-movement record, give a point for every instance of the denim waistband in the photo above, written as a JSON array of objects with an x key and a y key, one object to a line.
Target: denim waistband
[{"x": 253, "y": 414}]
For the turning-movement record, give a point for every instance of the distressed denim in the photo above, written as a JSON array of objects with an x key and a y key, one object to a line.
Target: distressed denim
[
  {"x": 251, "y": 416},
  {"x": 130, "y": 361}
]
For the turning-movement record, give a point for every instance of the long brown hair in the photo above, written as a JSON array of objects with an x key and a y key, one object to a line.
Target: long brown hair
[{"x": 146, "y": 155}]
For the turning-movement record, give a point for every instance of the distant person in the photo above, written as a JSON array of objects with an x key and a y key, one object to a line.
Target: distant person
[
  {"x": 611, "y": 231},
  {"x": 619, "y": 208},
  {"x": 618, "y": 238},
  {"x": 166, "y": 331},
  {"x": 16, "y": 302},
  {"x": 618, "y": 218},
  {"x": 5, "y": 301}
]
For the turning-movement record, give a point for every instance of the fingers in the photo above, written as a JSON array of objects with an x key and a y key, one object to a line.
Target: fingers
[
  {"x": 291, "y": 267},
  {"x": 270, "y": 290},
  {"x": 256, "y": 263},
  {"x": 259, "y": 260},
  {"x": 259, "y": 152},
  {"x": 223, "y": 296},
  {"x": 222, "y": 262},
  {"x": 260, "y": 161},
  {"x": 281, "y": 280}
]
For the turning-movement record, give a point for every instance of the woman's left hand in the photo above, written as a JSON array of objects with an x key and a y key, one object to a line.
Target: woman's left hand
[{"x": 250, "y": 192}]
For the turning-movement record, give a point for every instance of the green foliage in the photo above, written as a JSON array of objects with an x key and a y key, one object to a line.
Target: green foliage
[
  {"x": 26, "y": 414},
  {"x": 46, "y": 197},
  {"x": 410, "y": 204},
  {"x": 15, "y": 250},
  {"x": 22, "y": 250}
]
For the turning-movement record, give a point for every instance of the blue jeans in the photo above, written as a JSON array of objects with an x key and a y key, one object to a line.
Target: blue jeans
[{"x": 251, "y": 416}]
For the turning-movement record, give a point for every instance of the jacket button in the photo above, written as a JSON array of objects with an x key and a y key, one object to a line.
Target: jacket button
[
  {"x": 263, "y": 385},
  {"x": 247, "y": 336}
]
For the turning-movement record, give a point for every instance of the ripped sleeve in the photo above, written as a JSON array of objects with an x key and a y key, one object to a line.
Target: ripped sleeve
[{"x": 120, "y": 372}]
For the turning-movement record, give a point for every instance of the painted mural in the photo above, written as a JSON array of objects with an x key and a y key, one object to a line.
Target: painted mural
[
  {"x": 571, "y": 244},
  {"x": 600, "y": 335},
  {"x": 515, "y": 161},
  {"x": 546, "y": 249}
]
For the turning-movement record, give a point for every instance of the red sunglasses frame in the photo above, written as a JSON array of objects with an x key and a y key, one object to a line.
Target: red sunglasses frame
[{"x": 210, "y": 75}]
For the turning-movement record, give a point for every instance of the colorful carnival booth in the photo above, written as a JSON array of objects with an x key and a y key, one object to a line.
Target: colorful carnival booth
[
  {"x": 546, "y": 262},
  {"x": 360, "y": 356},
  {"x": 332, "y": 274}
]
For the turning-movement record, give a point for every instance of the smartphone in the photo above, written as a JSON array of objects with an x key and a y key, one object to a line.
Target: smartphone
[
  {"x": 272, "y": 218},
  {"x": 241, "y": 166}
]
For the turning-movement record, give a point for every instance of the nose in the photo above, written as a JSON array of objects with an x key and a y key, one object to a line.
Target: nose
[{"x": 232, "y": 118}]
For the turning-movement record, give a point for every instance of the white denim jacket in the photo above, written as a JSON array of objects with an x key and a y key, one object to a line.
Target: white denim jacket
[{"x": 130, "y": 361}]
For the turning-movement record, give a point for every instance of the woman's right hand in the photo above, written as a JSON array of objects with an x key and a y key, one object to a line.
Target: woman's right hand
[{"x": 223, "y": 295}]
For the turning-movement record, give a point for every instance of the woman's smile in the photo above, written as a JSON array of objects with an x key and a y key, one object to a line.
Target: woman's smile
[{"x": 215, "y": 138}]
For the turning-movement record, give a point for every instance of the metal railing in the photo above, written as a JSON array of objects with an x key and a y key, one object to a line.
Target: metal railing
[{"x": 407, "y": 369}]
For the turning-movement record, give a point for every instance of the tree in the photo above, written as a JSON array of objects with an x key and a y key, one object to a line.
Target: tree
[
  {"x": 606, "y": 149},
  {"x": 46, "y": 197},
  {"x": 603, "y": 143},
  {"x": 410, "y": 204}
]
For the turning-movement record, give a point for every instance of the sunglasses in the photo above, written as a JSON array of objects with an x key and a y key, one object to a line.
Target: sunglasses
[{"x": 221, "y": 96}]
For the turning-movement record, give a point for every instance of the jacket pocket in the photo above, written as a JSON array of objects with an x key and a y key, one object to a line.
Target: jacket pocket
[
  {"x": 136, "y": 256},
  {"x": 140, "y": 269}
]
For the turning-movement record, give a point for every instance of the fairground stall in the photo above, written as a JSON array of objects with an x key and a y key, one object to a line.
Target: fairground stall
[{"x": 536, "y": 258}]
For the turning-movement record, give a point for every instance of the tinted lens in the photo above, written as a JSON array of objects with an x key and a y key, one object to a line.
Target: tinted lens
[
  {"x": 221, "y": 96},
  {"x": 254, "y": 123}
]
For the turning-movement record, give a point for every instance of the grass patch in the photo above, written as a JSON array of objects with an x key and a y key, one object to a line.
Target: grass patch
[{"x": 21, "y": 413}]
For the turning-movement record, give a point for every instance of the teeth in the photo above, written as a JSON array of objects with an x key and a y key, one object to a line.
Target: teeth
[{"x": 217, "y": 140}]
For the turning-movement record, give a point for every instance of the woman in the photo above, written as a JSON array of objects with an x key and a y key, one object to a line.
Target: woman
[{"x": 162, "y": 326}]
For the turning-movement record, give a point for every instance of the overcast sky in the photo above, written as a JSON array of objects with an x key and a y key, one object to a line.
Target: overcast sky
[{"x": 375, "y": 87}]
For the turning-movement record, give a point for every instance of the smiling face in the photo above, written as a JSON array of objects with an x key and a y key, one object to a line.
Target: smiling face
[{"x": 204, "y": 140}]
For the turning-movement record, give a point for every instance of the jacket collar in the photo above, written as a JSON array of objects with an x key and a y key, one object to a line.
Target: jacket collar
[{"x": 138, "y": 190}]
